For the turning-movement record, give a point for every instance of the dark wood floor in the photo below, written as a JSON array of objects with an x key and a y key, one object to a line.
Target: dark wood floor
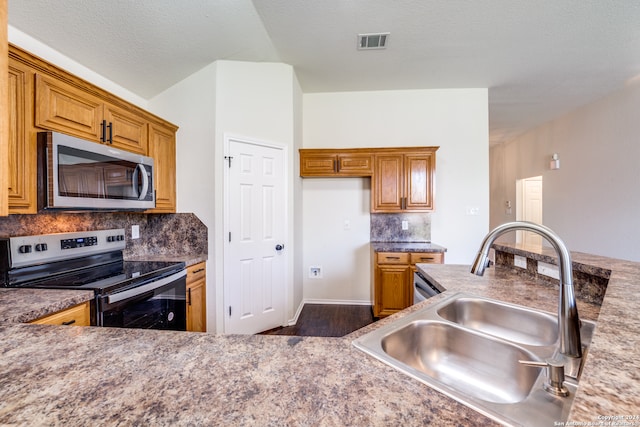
[{"x": 327, "y": 320}]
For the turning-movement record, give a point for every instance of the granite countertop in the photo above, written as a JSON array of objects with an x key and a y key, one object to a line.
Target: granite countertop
[
  {"x": 407, "y": 247},
  {"x": 189, "y": 260},
  {"x": 73, "y": 375},
  {"x": 18, "y": 305}
]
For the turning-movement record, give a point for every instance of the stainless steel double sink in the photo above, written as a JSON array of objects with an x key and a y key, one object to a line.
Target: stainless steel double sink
[{"x": 468, "y": 347}]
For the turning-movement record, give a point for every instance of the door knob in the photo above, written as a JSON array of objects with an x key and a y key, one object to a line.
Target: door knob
[{"x": 279, "y": 247}]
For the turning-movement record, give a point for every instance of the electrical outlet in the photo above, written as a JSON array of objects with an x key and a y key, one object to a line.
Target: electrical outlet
[
  {"x": 472, "y": 210},
  {"x": 405, "y": 225},
  {"x": 315, "y": 272},
  {"x": 135, "y": 231},
  {"x": 347, "y": 225},
  {"x": 549, "y": 270},
  {"x": 520, "y": 261}
]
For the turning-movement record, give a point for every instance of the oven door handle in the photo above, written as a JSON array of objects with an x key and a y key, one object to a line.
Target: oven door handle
[{"x": 120, "y": 296}]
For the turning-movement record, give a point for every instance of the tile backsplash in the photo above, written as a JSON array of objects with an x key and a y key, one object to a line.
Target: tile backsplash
[
  {"x": 387, "y": 227},
  {"x": 160, "y": 234}
]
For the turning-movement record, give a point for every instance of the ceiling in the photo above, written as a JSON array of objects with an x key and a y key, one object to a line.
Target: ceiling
[{"x": 540, "y": 59}]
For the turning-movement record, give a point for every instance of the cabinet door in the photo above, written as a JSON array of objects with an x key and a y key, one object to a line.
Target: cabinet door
[
  {"x": 392, "y": 292},
  {"x": 329, "y": 163},
  {"x": 418, "y": 175},
  {"x": 355, "y": 164},
  {"x": 62, "y": 107},
  {"x": 162, "y": 147},
  {"x": 22, "y": 144},
  {"x": 196, "y": 298},
  {"x": 128, "y": 130},
  {"x": 388, "y": 182},
  {"x": 317, "y": 164}
]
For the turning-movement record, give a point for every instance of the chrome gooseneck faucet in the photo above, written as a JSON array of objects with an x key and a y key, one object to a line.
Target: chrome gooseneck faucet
[{"x": 568, "y": 321}]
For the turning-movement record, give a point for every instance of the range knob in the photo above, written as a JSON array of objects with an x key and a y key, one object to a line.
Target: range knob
[
  {"x": 25, "y": 249},
  {"x": 41, "y": 247},
  {"x": 120, "y": 237},
  {"x": 110, "y": 238}
]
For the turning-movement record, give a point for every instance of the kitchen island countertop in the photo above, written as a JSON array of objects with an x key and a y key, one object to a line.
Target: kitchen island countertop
[
  {"x": 70, "y": 375},
  {"x": 19, "y": 305}
]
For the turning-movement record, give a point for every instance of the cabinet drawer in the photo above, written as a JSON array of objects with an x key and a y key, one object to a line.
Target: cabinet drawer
[
  {"x": 427, "y": 258},
  {"x": 196, "y": 272},
  {"x": 78, "y": 315},
  {"x": 393, "y": 258}
]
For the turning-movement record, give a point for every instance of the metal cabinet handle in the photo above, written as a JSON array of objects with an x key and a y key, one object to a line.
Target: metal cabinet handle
[
  {"x": 198, "y": 270},
  {"x": 69, "y": 322},
  {"x": 103, "y": 137},
  {"x": 189, "y": 296}
]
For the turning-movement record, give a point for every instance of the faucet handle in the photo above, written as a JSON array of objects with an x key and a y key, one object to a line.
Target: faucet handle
[{"x": 555, "y": 375}]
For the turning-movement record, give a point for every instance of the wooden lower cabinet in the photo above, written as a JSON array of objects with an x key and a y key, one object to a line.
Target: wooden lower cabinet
[
  {"x": 78, "y": 315},
  {"x": 197, "y": 298},
  {"x": 393, "y": 279}
]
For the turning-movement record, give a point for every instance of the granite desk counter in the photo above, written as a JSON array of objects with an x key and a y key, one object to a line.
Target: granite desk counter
[{"x": 407, "y": 247}]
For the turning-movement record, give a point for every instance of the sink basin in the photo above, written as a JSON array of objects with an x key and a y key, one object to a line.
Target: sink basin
[
  {"x": 514, "y": 323},
  {"x": 481, "y": 367},
  {"x": 468, "y": 348}
]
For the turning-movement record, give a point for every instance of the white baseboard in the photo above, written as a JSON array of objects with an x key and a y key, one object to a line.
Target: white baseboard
[
  {"x": 336, "y": 301},
  {"x": 297, "y": 315}
]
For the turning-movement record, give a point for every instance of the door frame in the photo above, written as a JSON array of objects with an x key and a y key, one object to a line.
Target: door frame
[
  {"x": 228, "y": 137},
  {"x": 521, "y": 202}
]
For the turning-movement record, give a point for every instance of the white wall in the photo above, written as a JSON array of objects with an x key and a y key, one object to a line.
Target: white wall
[
  {"x": 454, "y": 119},
  {"x": 593, "y": 200},
  {"x": 259, "y": 101},
  {"x": 191, "y": 105}
]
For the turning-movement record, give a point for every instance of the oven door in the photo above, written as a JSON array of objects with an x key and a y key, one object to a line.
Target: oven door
[{"x": 156, "y": 304}]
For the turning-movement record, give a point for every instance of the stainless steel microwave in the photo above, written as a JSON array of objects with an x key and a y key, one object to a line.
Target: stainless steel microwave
[{"x": 75, "y": 174}]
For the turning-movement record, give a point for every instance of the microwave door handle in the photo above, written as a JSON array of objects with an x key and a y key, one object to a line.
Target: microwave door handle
[{"x": 145, "y": 181}]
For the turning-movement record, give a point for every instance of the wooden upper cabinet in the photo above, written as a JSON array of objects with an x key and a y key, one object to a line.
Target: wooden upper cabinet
[
  {"x": 22, "y": 143},
  {"x": 403, "y": 181},
  {"x": 4, "y": 111},
  {"x": 65, "y": 108},
  {"x": 42, "y": 96},
  {"x": 128, "y": 131},
  {"x": 62, "y": 107},
  {"x": 335, "y": 162},
  {"x": 162, "y": 148}
]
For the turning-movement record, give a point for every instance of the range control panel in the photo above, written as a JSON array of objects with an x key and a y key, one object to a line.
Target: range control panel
[{"x": 30, "y": 250}]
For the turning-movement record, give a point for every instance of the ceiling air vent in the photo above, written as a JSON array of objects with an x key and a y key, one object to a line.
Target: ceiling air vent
[{"x": 372, "y": 41}]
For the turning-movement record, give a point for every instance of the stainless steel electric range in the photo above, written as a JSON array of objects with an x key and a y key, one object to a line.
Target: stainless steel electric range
[{"x": 128, "y": 294}]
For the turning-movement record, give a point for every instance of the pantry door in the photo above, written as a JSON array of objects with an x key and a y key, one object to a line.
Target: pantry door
[{"x": 255, "y": 228}]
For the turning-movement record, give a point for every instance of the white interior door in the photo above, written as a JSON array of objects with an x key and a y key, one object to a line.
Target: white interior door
[
  {"x": 531, "y": 209},
  {"x": 255, "y": 224}
]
